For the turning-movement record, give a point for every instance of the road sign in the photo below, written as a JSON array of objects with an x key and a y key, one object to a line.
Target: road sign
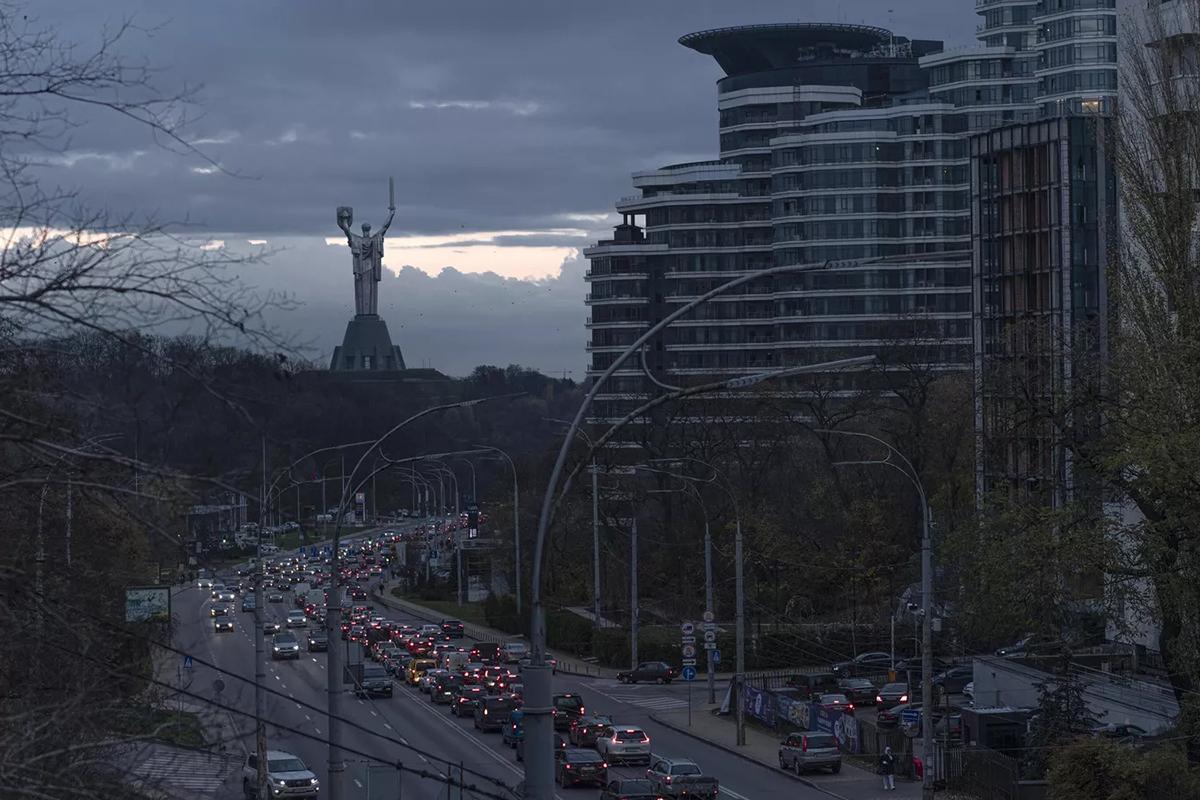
[
  {"x": 688, "y": 639},
  {"x": 689, "y": 673},
  {"x": 709, "y": 617},
  {"x": 687, "y": 629},
  {"x": 710, "y": 645},
  {"x": 714, "y": 656},
  {"x": 187, "y": 662},
  {"x": 710, "y": 636},
  {"x": 689, "y": 651},
  {"x": 689, "y": 662}
]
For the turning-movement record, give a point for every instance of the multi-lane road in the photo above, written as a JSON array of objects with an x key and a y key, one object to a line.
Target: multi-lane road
[{"x": 408, "y": 729}]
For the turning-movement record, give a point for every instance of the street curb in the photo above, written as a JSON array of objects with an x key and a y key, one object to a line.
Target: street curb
[{"x": 733, "y": 751}]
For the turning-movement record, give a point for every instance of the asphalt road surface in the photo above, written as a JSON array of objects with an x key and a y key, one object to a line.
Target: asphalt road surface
[{"x": 386, "y": 730}]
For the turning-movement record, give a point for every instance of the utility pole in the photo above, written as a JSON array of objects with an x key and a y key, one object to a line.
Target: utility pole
[
  {"x": 740, "y": 631},
  {"x": 633, "y": 596},
  {"x": 459, "y": 570},
  {"x": 260, "y": 667},
  {"x": 595, "y": 544},
  {"x": 708, "y": 606},
  {"x": 926, "y": 651},
  {"x": 70, "y": 516}
]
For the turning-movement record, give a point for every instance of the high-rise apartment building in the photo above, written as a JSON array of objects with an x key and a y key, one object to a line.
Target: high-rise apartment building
[{"x": 831, "y": 151}]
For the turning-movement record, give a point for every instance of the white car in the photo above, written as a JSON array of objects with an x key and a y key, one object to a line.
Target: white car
[
  {"x": 431, "y": 630},
  {"x": 286, "y": 775},
  {"x": 297, "y": 619},
  {"x": 515, "y": 651},
  {"x": 624, "y": 743}
]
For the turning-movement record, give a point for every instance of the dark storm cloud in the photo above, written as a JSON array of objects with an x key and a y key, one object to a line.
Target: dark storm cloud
[{"x": 493, "y": 115}]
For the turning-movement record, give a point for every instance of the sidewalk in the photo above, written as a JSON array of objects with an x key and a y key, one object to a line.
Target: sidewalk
[
  {"x": 852, "y": 783},
  {"x": 566, "y": 664}
]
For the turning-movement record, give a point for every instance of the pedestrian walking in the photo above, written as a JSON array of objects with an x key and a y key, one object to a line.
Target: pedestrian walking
[{"x": 887, "y": 768}]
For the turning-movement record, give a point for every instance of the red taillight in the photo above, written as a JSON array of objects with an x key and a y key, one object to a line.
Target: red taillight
[
  {"x": 804, "y": 744},
  {"x": 566, "y": 766}
]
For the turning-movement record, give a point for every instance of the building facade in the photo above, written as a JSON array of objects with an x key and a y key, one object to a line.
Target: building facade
[{"x": 831, "y": 154}]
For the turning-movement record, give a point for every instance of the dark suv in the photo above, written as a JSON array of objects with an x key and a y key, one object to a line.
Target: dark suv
[
  {"x": 486, "y": 652},
  {"x": 567, "y": 708},
  {"x": 376, "y": 682},
  {"x": 317, "y": 641},
  {"x": 491, "y": 713},
  {"x": 452, "y": 628},
  {"x": 812, "y": 686}
]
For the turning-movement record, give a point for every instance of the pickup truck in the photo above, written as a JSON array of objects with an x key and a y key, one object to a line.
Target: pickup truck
[{"x": 679, "y": 778}]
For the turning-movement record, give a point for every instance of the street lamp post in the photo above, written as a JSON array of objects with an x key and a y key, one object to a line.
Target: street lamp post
[
  {"x": 516, "y": 519},
  {"x": 595, "y": 521},
  {"x": 906, "y": 468}
]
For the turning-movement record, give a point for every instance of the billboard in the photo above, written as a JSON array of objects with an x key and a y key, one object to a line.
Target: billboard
[{"x": 148, "y": 604}]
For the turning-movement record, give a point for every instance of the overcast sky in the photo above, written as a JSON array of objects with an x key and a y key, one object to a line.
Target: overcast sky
[{"x": 510, "y": 126}]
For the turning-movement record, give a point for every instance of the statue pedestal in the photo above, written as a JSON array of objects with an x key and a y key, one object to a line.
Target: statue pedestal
[{"x": 366, "y": 347}]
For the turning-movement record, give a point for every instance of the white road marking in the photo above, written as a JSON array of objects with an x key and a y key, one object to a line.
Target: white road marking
[
  {"x": 423, "y": 758},
  {"x": 356, "y": 783},
  {"x": 733, "y": 794},
  {"x": 374, "y": 713},
  {"x": 318, "y": 730},
  {"x": 389, "y": 727},
  {"x": 307, "y": 717}
]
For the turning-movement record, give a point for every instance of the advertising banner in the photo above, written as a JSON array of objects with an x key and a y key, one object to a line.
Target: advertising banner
[
  {"x": 760, "y": 704},
  {"x": 148, "y": 604}
]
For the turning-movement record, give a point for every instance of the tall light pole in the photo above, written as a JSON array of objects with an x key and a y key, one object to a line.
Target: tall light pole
[
  {"x": 595, "y": 521},
  {"x": 718, "y": 479},
  {"x": 516, "y": 519},
  {"x": 538, "y": 733},
  {"x": 470, "y": 466},
  {"x": 905, "y": 468},
  {"x": 690, "y": 490}
]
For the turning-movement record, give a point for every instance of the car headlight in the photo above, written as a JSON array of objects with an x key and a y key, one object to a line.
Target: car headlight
[{"x": 313, "y": 782}]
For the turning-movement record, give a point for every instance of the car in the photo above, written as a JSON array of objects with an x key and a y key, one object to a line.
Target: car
[
  {"x": 222, "y": 624},
  {"x": 654, "y": 671},
  {"x": 803, "y": 751},
  {"x": 417, "y": 669},
  {"x": 226, "y": 596},
  {"x": 891, "y": 694},
  {"x": 429, "y": 629},
  {"x": 429, "y": 678},
  {"x": 275, "y": 597},
  {"x": 680, "y": 777},
  {"x": 860, "y": 690},
  {"x": 553, "y": 662},
  {"x": 814, "y": 684},
  {"x": 464, "y": 700},
  {"x": 318, "y": 641},
  {"x": 444, "y": 688},
  {"x": 911, "y": 667},
  {"x": 624, "y": 744},
  {"x": 218, "y": 611},
  {"x": 629, "y": 789},
  {"x": 968, "y": 692},
  {"x": 284, "y": 645},
  {"x": 297, "y": 619},
  {"x": 584, "y": 730},
  {"x": 376, "y": 682},
  {"x": 272, "y": 627},
  {"x": 567, "y": 707},
  {"x": 874, "y": 663},
  {"x": 204, "y": 583},
  {"x": 575, "y": 766},
  {"x": 513, "y": 652},
  {"x": 954, "y": 679},
  {"x": 491, "y": 712},
  {"x": 1123, "y": 733},
  {"x": 1029, "y": 644},
  {"x": 452, "y": 628},
  {"x": 385, "y": 651},
  {"x": 287, "y": 776},
  {"x": 487, "y": 652},
  {"x": 836, "y": 702}
]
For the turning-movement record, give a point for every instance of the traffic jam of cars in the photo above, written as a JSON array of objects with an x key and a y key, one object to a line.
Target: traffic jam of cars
[{"x": 474, "y": 679}]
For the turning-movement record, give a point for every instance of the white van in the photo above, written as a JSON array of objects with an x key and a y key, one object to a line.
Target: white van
[{"x": 453, "y": 660}]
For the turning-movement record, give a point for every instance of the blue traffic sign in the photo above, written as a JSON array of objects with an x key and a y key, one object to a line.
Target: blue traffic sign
[
  {"x": 689, "y": 673},
  {"x": 187, "y": 662},
  {"x": 714, "y": 656}
]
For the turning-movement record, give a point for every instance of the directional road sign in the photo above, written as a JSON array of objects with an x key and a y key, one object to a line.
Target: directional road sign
[
  {"x": 689, "y": 662},
  {"x": 689, "y": 673},
  {"x": 710, "y": 645},
  {"x": 687, "y": 639}
]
